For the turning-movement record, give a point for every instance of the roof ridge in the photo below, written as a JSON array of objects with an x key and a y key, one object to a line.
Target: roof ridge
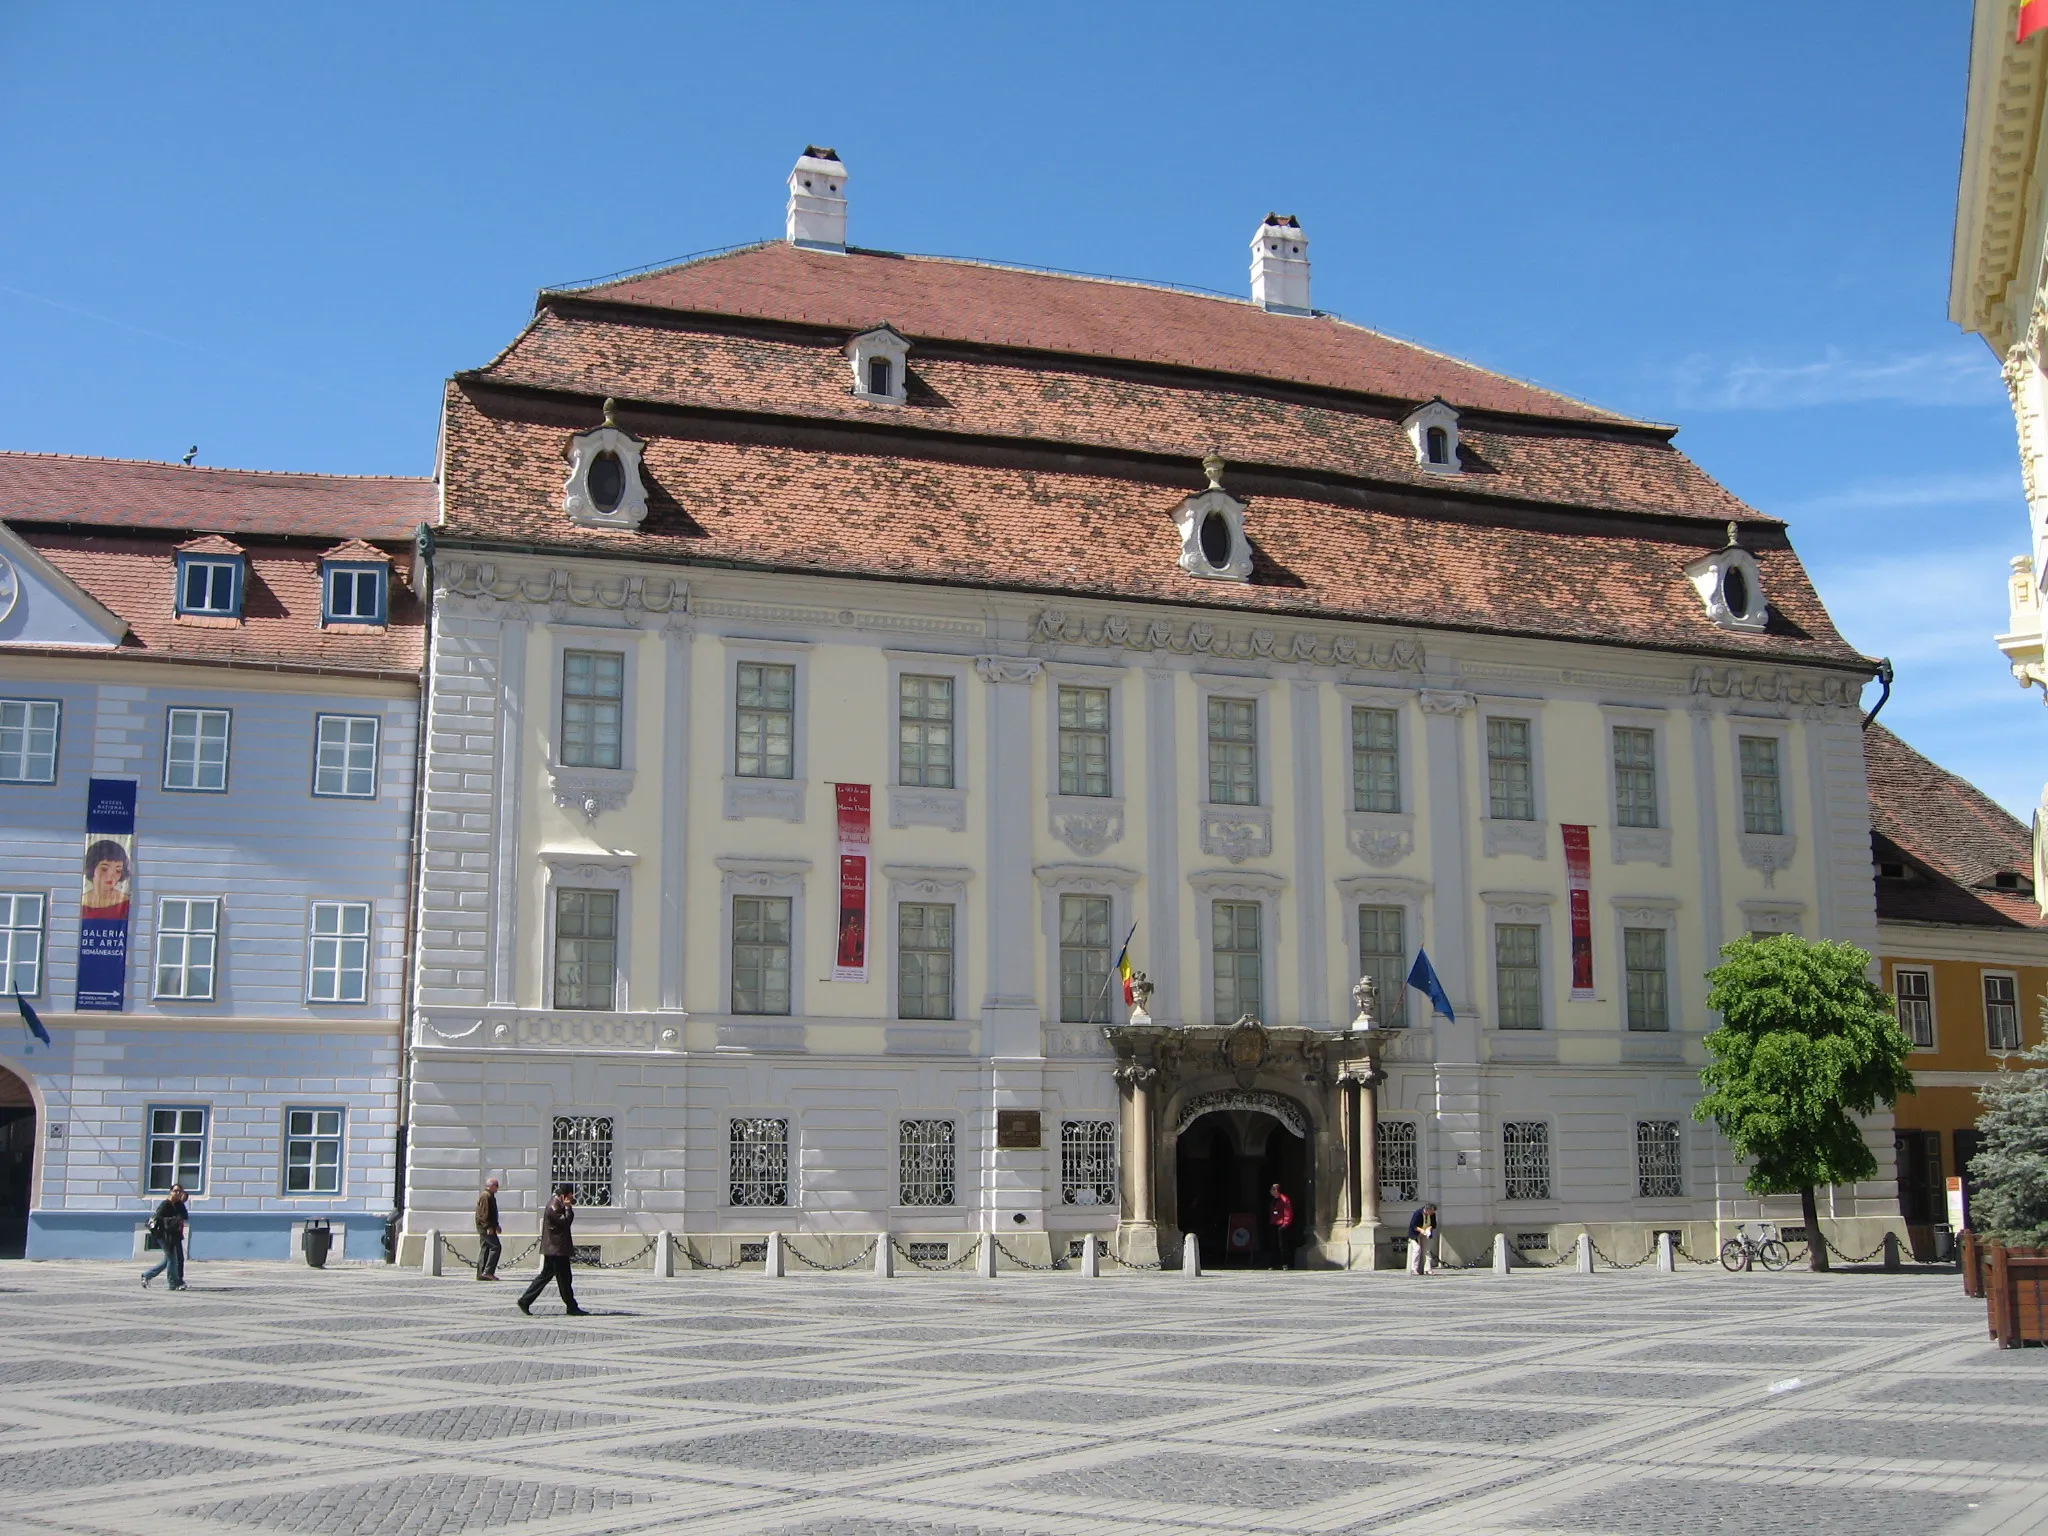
[{"x": 209, "y": 469}]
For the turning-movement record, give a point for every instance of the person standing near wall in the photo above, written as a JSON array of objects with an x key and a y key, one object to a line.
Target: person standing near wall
[
  {"x": 1280, "y": 1213},
  {"x": 167, "y": 1226},
  {"x": 557, "y": 1251},
  {"x": 490, "y": 1245}
]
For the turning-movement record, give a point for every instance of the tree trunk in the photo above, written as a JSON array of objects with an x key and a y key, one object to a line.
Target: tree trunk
[{"x": 1816, "y": 1244}]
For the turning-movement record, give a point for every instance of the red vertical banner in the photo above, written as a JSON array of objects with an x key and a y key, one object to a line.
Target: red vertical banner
[
  {"x": 850, "y": 957},
  {"x": 1578, "y": 884}
]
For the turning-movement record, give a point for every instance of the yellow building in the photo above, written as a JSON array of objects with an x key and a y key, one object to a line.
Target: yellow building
[{"x": 1965, "y": 952}]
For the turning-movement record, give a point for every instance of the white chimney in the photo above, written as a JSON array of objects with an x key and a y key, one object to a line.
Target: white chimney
[
  {"x": 1279, "y": 266},
  {"x": 817, "y": 201}
]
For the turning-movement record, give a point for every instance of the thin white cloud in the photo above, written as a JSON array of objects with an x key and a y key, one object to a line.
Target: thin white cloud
[
  {"x": 2000, "y": 489},
  {"x": 1963, "y": 374},
  {"x": 1930, "y": 609}
]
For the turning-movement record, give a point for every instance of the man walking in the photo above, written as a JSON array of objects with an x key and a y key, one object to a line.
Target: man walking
[
  {"x": 1421, "y": 1232},
  {"x": 168, "y": 1227},
  {"x": 1280, "y": 1213},
  {"x": 490, "y": 1243},
  {"x": 557, "y": 1251}
]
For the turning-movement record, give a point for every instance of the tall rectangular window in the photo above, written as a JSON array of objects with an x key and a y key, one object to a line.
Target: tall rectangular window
[
  {"x": 1915, "y": 992},
  {"x": 580, "y": 1155},
  {"x": 1233, "y": 751},
  {"x": 345, "y": 756},
  {"x": 593, "y": 708},
  {"x": 177, "y": 1150},
  {"x": 1659, "y": 1173},
  {"x": 924, "y": 1150},
  {"x": 196, "y": 749},
  {"x": 2001, "y": 1013},
  {"x": 765, "y": 721},
  {"x": 924, "y": 960},
  {"x": 1088, "y": 1162},
  {"x": 760, "y": 954},
  {"x": 1525, "y": 1160},
  {"x": 1649, "y": 986},
  {"x": 1635, "y": 776},
  {"x": 586, "y": 948},
  {"x": 1400, "y": 1159},
  {"x": 1510, "y": 770},
  {"x": 28, "y": 741},
  {"x": 1763, "y": 801},
  {"x": 1238, "y": 966},
  {"x": 1084, "y": 741},
  {"x": 187, "y": 940},
  {"x": 1375, "y": 760},
  {"x": 21, "y": 942},
  {"x": 1084, "y": 959},
  {"x": 1518, "y": 974},
  {"x": 1383, "y": 955},
  {"x": 338, "y": 956},
  {"x": 924, "y": 731},
  {"x": 757, "y": 1162},
  {"x": 312, "y": 1151}
]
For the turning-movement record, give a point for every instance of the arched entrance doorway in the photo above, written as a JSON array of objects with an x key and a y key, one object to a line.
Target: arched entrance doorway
[
  {"x": 17, "y": 1162},
  {"x": 1230, "y": 1152}
]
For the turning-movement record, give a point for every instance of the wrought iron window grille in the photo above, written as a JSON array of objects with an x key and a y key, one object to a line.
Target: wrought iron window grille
[
  {"x": 758, "y": 1160},
  {"x": 581, "y": 1157}
]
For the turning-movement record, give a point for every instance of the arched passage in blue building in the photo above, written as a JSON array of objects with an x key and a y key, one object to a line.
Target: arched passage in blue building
[{"x": 17, "y": 1162}]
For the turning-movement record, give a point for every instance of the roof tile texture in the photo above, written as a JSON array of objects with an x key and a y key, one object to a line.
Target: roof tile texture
[{"x": 1954, "y": 829}]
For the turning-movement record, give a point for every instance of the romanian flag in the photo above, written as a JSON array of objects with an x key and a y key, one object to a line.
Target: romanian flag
[
  {"x": 2033, "y": 17},
  {"x": 1123, "y": 966}
]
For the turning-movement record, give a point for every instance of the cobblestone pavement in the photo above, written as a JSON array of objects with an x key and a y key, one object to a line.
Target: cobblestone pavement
[{"x": 366, "y": 1401}]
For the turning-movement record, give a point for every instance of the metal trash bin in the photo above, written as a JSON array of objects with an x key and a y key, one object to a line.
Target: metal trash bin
[{"x": 317, "y": 1243}]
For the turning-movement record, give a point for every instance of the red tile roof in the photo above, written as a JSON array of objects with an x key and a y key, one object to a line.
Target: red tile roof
[{"x": 1958, "y": 837}]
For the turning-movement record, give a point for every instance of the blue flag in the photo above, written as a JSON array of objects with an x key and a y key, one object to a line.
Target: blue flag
[
  {"x": 28, "y": 1017},
  {"x": 1422, "y": 977}
]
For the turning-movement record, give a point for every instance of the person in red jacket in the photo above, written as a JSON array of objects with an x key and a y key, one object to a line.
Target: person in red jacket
[{"x": 1281, "y": 1214}]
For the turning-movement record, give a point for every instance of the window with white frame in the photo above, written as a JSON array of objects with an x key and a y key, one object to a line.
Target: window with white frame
[
  {"x": 196, "y": 749},
  {"x": 345, "y": 756},
  {"x": 338, "y": 969},
  {"x": 765, "y": 722},
  {"x": 593, "y": 709},
  {"x": 924, "y": 731},
  {"x": 1659, "y": 1173},
  {"x": 881, "y": 376},
  {"x": 586, "y": 948},
  {"x": 187, "y": 942},
  {"x": 925, "y": 1162},
  {"x": 1238, "y": 965},
  {"x": 1400, "y": 1159},
  {"x": 760, "y": 954},
  {"x": 1525, "y": 1160},
  {"x": 1088, "y": 1162},
  {"x": 1084, "y": 741},
  {"x": 312, "y": 1151},
  {"x": 757, "y": 1161},
  {"x": 580, "y": 1156},
  {"x": 1510, "y": 769},
  {"x": 924, "y": 960},
  {"x": 1763, "y": 800},
  {"x": 355, "y": 594},
  {"x": 1635, "y": 776},
  {"x": 21, "y": 942},
  {"x": 1518, "y": 974},
  {"x": 1915, "y": 992},
  {"x": 1648, "y": 977},
  {"x": 1233, "y": 751},
  {"x": 1375, "y": 760},
  {"x": 2001, "y": 1012},
  {"x": 177, "y": 1149},
  {"x": 210, "y": 585},
  {"x": 28, "y": 741},
  {"x": 1084, "y": 959},
  {"x": 1383, "y": 955}
]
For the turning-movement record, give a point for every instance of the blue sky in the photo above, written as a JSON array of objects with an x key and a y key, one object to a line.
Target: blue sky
[{"x": 272, "y": 230}]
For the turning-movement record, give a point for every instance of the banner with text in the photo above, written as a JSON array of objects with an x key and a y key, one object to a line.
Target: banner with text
[
  {"x": 850, "y": 959},
  {"x": 103, "y": 908},
  {"x": 1578, "y": 884}
]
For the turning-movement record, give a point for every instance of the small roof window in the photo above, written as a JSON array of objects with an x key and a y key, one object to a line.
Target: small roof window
[
  {"x": 355, "y": 585},
  {"x": 211, "y": 574}
]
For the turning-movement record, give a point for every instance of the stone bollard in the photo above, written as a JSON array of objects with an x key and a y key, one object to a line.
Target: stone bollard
[
  {"x": 1891, "y": 1250},
  {"x": 1191, "y": 1257},
  {"x": 985, "y": 1264},
  {"x": 665, "y": 1256},
  {"x": 1667, "y": 1259},
  {"x": 1585, "y": 1247},
  {"x": 885, "y": 1258},
  {"x": 1091, "y": 1259},
  {"x": 773, "y": 1267},
  {"x": 1500, "y": 1253},
  {"x": 430, "y": 1260}
]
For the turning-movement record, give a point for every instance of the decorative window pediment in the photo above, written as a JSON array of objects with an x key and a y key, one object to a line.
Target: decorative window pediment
[
  {"x": 1213, "y": 545},
  {"x": 1732, "y": 588},
  {"x": 1433, "y": 429},
  {"x": 880, "y": 360},
  {"x": 605, "y": 488}
]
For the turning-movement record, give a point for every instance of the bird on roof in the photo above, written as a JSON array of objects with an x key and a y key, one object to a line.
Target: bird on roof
[{"x": 191, "y": 454}]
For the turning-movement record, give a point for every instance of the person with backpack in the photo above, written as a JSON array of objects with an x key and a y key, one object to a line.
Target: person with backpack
[
  {"x": 557, "y": 1251},
  {"x": 166, "y": 1231}
]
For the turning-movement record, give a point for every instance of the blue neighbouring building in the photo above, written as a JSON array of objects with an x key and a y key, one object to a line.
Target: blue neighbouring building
[{"x": 209, "y": 706}]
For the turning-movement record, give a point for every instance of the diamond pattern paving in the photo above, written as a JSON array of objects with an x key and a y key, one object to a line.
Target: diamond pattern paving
[{"x": 409, "y": 1506}]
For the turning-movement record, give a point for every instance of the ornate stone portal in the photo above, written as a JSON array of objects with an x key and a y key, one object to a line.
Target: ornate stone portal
[{"x": 1321, "y": 1085}]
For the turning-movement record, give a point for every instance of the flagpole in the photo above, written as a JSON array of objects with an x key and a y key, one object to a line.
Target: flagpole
[{"x": 1103, "y": 1001}]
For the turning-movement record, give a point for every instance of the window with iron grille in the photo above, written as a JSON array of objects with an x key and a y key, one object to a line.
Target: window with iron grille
[
  {"x": 1635, "y": 776},
  {"x": 924, "y": 731},
  {"x": 1525, "y": 1159},
  {"x": 1510, "y": 770},
  {"x": 1238, "y": 965},
  {"x": 1518, "y": 974},
  {"x": 1382, "y": 955},
  {"x": 28, "y": 741},
  {"x": 177, "y": 1150},
  {"x": 1375, "y": 760},
  {"x": 338, "y": 953},
  {"x": 312, "y": 1151},
  {"x": 196, "y": 750},
  {"x": 924, "y": 1151},
  {"x": 581, "y": 1157},
  {"x": 1659, "y": 1173},
  {"x": 345, "y": 756},
  {"x": 1399, "y": 1159},
  {"x": 1233, "y": 752},
  {"x": 593, "y": 708},
  {"x": 187, "y": 934},
  {"x": 1915, "y": 992},
  {"x": 1763, "y": 805},
  {"x": 760, "y": 954},
  {"x": 1088, "y": 1162},
  {"x": 586, "y": 948},
  {"x": 1084, "y": 959},
  {"x": 1649, "y": 985},
  {"x": 1084, "y": 741},
  {"x": 765, "y": 722},
  {"x": 21, "y": 942},
  {"x": 2001, "y": 1013},
  {"x": 924, "y": 960},
  {"x": 757, "y": 1157}
]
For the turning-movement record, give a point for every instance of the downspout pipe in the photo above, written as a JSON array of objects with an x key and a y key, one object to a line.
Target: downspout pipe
[
  {"x": 1884, "y": 676},
  {"x": 423, "y": 585}
]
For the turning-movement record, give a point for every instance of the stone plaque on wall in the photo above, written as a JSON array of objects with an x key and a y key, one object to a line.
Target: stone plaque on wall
[{"x": 1017, "y": 1130}]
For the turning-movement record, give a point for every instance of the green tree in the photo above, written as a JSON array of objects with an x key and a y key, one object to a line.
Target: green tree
[
  {"x": 1806, "y": 1041},
  {"x": 2009, "y": 1197}
]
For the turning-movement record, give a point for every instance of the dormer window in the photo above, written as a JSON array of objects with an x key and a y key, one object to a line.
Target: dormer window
[
  {"x": 878, "y": 357},
  {"x": 2008, "y": 880},
  {"x": 1437, "y": 446},
  {"x": 1213, "y": 545},
  {"x": 1731, "y": 587},
  {"x": 881, "y": 377},
  {"x": 211, "y": 574},
  {"x": 605, "y": 488},
  {"x": 1891, "y": 869},
  {"x": 1433, "y": 430}
]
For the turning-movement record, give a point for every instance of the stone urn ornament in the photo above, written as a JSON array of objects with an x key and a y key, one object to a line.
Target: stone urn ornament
[
  {"x": 1141, "y": 998},
  {"x": 1365, "y": 992}
]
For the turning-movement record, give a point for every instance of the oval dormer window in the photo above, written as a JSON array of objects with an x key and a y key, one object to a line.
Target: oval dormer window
[
  {"x": 1216, "y": 539},
  {"x": 607, "y": 482},
  {"x": 1735, "y": 592}
]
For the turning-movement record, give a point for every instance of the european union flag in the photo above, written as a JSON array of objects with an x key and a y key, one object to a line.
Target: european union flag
[
  {"x": 28, "y": 1017},
  {"x": 1422, "y": 977}
]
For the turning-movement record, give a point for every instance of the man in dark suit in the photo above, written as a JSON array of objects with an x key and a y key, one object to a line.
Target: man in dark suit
[
  {"x": 557, "y": 1251},
  {"x": 490, "y": 1245}
]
